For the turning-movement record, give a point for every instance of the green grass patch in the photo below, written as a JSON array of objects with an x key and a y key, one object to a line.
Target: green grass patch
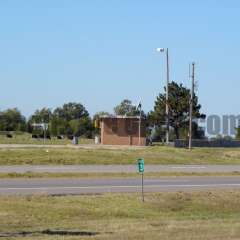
[
  {"x": 197, "y": 215},
  {"x": 152, "y": 155},
  {"x": 26, "y": 138}
]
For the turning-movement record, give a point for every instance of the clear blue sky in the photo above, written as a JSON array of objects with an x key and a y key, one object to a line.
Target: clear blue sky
[{"x": 100, "y": 52}]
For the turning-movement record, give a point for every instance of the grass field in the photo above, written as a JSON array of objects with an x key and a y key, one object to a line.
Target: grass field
[
  {"x": 27, "y": 139},
  {"x": 172, "y": 216},
  {"x": 152, "y": 155}
]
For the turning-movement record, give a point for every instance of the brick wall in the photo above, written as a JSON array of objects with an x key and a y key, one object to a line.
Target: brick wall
[{"x": 122, "y": 131}]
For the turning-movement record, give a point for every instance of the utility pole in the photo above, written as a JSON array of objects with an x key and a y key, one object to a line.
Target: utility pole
[
  {"x": 142, "y": 188},
  {"x": 44, "y": 132},
  {"x": 140, "y": 123},
  {"x": 191, "y": 106},
  {"x": 167, "y": 106}
]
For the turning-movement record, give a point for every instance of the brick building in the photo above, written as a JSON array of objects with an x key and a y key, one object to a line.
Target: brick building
[{"x": 122, "y": 130}]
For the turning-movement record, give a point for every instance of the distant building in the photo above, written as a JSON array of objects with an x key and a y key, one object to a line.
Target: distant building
[{"x": 122, "y": 130}]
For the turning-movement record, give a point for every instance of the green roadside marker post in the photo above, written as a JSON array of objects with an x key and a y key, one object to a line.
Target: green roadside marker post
[{"x": 141, "y": 170}]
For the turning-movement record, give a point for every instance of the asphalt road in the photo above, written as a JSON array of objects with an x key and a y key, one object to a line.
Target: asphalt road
[
  {"x": 119, "y": 168},
  {"x": 91, "y": 186}
]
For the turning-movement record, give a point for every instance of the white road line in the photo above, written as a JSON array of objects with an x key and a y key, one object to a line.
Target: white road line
[
  {"x": 190, "y": 167},
  {"x": 82, "y": 187},
  {"x": 130, "y": 186},
  {"x": 168, "y": 180}
]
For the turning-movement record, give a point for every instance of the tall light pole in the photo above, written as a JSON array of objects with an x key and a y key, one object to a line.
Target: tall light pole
[
  {"x": 191, "y": 107},
  {"x": 167, "y": 84}
]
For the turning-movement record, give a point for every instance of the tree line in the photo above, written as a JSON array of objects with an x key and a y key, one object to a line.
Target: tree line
[
  {"x": 70, "y": 119},
  {"x": 74, "y": 119}
]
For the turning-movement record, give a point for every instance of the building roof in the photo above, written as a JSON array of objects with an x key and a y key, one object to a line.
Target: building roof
[{"x": 118, "y": 116}]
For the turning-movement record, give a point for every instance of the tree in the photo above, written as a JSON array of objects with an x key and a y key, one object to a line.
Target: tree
[
  {"x": 178, "y": 103},
  {"x": 100, "y": 114},
  {"x": 238, "y": 133},
  {"x": 41, "y": 116},
  {"x": 71, "y": 111},
  {"x": 12, "y": 120},
  {"x": 81, "y": 127},
  {"x": 126, "y": 108},
  {"x": 197, "y": 132},
  {"x": 71, "y": 119},
  {"x": 58, "y": 126}
]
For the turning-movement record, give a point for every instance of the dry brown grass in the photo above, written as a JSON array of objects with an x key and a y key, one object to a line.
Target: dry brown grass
[{"x": 197, "y": 215}]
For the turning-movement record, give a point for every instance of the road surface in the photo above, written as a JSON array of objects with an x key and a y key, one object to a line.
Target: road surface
[
  {"x": 119, "y": 168},
  {"x": 91, "y": 186}
]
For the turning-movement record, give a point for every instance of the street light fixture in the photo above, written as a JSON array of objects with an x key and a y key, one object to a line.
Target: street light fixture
[{"x": 162, "y": 50}]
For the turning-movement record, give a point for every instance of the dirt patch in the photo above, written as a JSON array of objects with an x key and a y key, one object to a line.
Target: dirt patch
[
  {"x": 49, "y": 232},
  {"x": 232, "y": 154}
]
